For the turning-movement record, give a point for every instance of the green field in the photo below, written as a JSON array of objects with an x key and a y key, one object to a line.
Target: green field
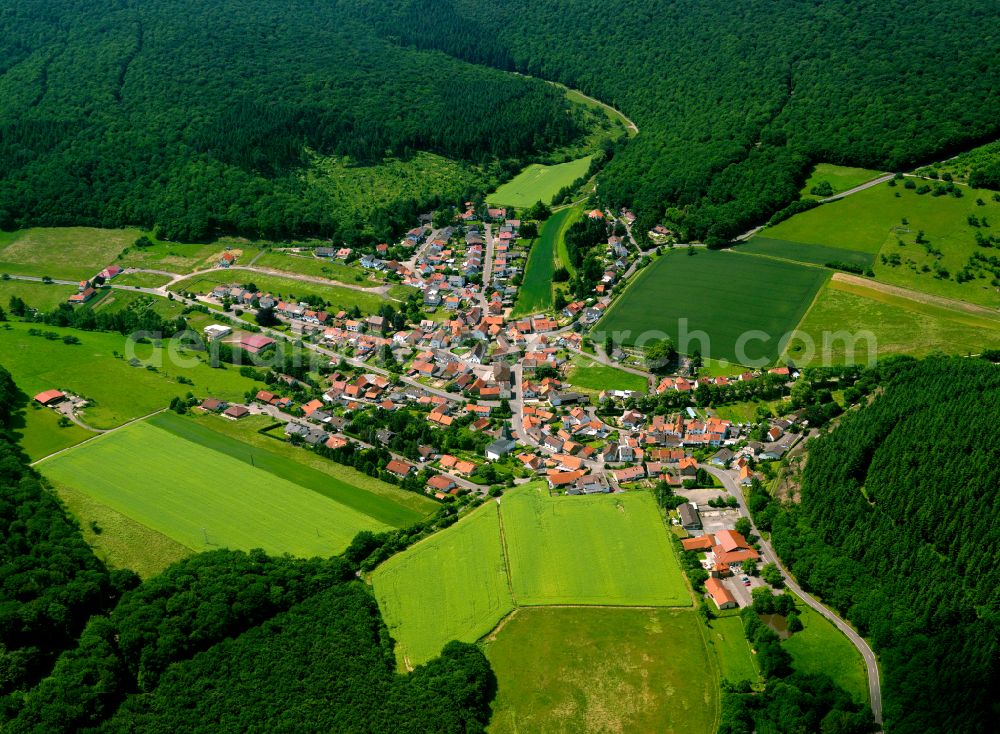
[
  {"x": 591, "y": 376},
  {"x": 69, "y": 253},
  {"x": 841, "y": 178},
  {"x": 807, "y": 252},
  {"x": 822, "y": 648},
  {"x": 319, "y": 267},
  {"x": 535, "y": 294},
  {"x": 872, "y": 222},
  {"x": 336, "y": 296},
  {"x": 144, "y": 280},
  {"x": 723, "y": 294},
  {"x": 205, "y": 491},
  {"x": 37, "y": 430},
  {"x": 44, "y": 297},
  {"x": 598, "y": 549},
  {"x": 603, "y": 670},
  {"x": 450, "y": 586},
  {"x": 898, "y": 326},
  {"x": 174, "y": 257},
  {"x": 539, "y": 183},
  {"x": 727, "y": 640},
  {"x": 118, "y": 391}
]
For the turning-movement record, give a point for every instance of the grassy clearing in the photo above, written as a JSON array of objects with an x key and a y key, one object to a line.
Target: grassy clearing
[
  {"x": 539, "y": 183},
  {"x": 337, "y": 297},
  {"x": 607, "y": 549},
  {"x": 897, "y": 325},
  {"x": 143, "y": 280},
  {"x": 535, "y": 293},
  {"x": 42, "y": 296},
  {"x": 450, "y": 586},
  {"x": 723, "y": 294},
  {"x": 720, "y": 368},
  {"x": 807, "y": 252},
  {"x": 841, "y": 178},
  {"x": 118, "y": 391},
  {"x": 319, "y": 267},
  {"x": 603, "y": 670},
  {"x": 743, "y": 412},
  {"x": 591, "y": 376},
  {"x": 822, "y": 648},
  {"x": 70, "y": 253},
  {"x": 175, "y": 257},
  {"x": 39, "y": 434},
  {"x": 962, "y": 165},
  {"x": 118, "y": 540},
  {"x": 204, "y": 496},
  {"x": 728, "y": 642}
]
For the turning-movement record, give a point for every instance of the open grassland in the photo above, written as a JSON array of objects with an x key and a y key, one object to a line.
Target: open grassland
[
  {"x": 847, "y": 317},
  {"x": 119, "y": 392},
  {"x": 822, "y": 648},
  {"x": 742, "y": 412},
  {"x": 337, "y": 297},
  {"x": 535, "y": 293},
  {"x": 728, "y": 643},
  {"x": 143, "y": 280},
  {"x": 42, "y": 296},
  {"x": 241, "y": 440},
  {"x": 603, "y": 670},
  {"x": 806, "y": 252},
  {"x": 175, "y": 257},
  {"x": 37, "y": 430},
  {"x": 962, "y": 165},
  {"x": 451, "y": 586},
  {"x": 591, "y": 376},
  {"x": 602, "y": 549},
  {"x": 872, "y": 221},
  {"x": 305, "y": 263},
  {"x": 562, "y": 259},
  {"x": 205, "y": 496},
  {"x": 118, "y": 540},
  {"x": 70, "y": 253},
  {"x": 841, "y": 178},
  {"x": 723, "y": 294},
  {"x": 720, "y": 368},
  {"x": 539, "y": 183}
]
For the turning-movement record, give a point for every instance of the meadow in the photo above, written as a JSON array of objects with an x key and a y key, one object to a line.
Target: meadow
[
  {"x": 591, "y": 376},
  {"x": 118, "y": 391},
  {"x": 176, "y": 257},
  {"x": 962, "y": 165},
  {"x": 728, "y": 642},
  {"x": 822, "y": 648},
  {"x": 205, "y": 496},
  {"x": 598, "y": 549},
  {"x": 306, "y": 263},
  {"x": 67, "y": 253},
  {"x": 876, "y": 220},
  {"x": 722, "y": 294},
  {"x": 806, "y": 252},
  {"x": 898, "y": 326},
  {"x": 43, "y": 296},
  {"x": 841, "y": 178},
  {"x": 143, "y": 280},
  {"x": 451, "y": 586},
  {"x": 539, "y": 183},
  {"x": 38, "y": 432},
  {"x": 602, "y": 670},
  {"x": 535, "y": 294}
]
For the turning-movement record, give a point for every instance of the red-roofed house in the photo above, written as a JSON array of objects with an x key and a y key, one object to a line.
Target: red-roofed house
[
  {"x": 399, "y": 468},
  {"x": 719, "y": 593},
  {"x": 50, "y": 397},
  {"x": 255, "y": 343}
]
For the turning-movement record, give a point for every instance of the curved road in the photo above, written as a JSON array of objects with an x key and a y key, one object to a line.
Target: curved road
[{"x": 768, "y": 555}]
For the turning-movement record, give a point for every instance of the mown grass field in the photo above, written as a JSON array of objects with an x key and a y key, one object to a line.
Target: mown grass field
[
  {"x": 337, "y": 297},
  {"x": 119, "y": 392},
  {"x": 175, "y": 257},
  {"x": 723, "y": 294},
  {"x": 143, "y": 280},
  {"x": 451, "y": 586},
  {"x": 539, "y": 183},
  {"x": 872, "y": 221},
  {"x": 805, "y": 252},
  {"x": 535, "y": 293},
  {"x": 603, "y": 670},
  {"x": 70, "y": 253},
  {"x": 591, "y": 376},
  {"x": 42, "y": 296},
  {"x": 822, "y": 648},
  {"x": 841, "y": 178},
  {"x": 204, "y": 496},
  {"x": 844, "y": 313},
  {"x": 37, "y": 430},
  {"x": 601, "y": 549},
  {"x": 306, "y": 263},
  {"x": 727, "y": 641}
]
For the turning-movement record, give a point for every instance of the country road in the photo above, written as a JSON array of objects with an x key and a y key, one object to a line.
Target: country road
[{"x": 769, "y": 556}]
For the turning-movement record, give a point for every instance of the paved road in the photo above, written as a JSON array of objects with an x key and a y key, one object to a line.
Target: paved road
[
  {"x": 862, "y": 187},
  {"x": 380, "y": 290},
  {"x": 488, "y": 262},
  {"x": 768, "y": 555}
]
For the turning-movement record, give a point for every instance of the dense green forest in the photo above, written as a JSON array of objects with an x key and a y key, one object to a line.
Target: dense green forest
[
  {"x": 734, "y": 101},
  {"x": 897, "y": 529},
  {"x": 202, "y": 117}
]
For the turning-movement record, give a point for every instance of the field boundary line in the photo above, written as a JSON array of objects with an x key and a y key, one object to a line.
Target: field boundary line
[
  {"x": 506, "y": 559},
  {"x": 107, "y": 432},
  {"x": 909, "y": 294}
]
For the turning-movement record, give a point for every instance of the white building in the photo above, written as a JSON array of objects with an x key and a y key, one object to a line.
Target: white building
[{"x": 217, "y": 331}]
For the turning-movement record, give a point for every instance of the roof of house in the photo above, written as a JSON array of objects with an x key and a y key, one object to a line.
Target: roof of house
[
  {"x": 256, "y": 341},
  {"x": 701, "y": 542},
  {"x": 730, "y": 540},
  {"x": 49, "y": 396},
  {"x": 719, "y": 593},
  {"x": 398, "y": 467},
  {"x": 441, "y": 481},
  {"x": 236, "y": 411}
]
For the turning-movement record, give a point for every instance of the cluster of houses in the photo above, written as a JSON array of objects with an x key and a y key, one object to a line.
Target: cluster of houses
[
  {"x": 87, "y": 289},
  {"x": 682, "y": 384}
]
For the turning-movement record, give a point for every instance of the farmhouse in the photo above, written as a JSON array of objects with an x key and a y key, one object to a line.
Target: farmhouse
[
  {"x": 441, "y": 482},
  {"x": 83, "y": 296},
  {"x": 719, "y": 593},
  {"x": 50, "y": 397},
  {"x": 235, "y": 412},
  {"x": 255, "y": 343}
]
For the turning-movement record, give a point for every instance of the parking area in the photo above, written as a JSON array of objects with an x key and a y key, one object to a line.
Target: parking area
[
  {"x": 740, "y": 591},
  {"x": 714, "y": 520},
  {"x": 700, "y": 497}
]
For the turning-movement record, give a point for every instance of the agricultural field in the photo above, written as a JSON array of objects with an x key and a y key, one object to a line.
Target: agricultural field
[
  {"x": 877, "y": 220},
  {"x": 117, "y": 390},
  {"x": 727, "y": 640},
  {"x": 963, "y": 164},
  {"x": 840, "y": 178},
  {"x": 848, "y": 313},
  {"x": 208, "y": 491},
  {"x": 603, "y": 670},
  {"x": 306, "y": 263},
  {"x": 39, "y": 433},
  {"x": 726, "y": 295},
  {"x": 451, "y": 586},
  {"x": 66, "y": 253},
  {"x": 539, "y": 183},
  {"x": 806, "y": 252},
  {"x": 43, "y": 296},
  {"x": 338, "y": 297},
  {"x": 535, "y": 293},
  {"x": 590, "y": 376},
  {"x": 143, "y": 280},
  {"x": 544, "y": 536},
  {"x": 822, "y": 648}
]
